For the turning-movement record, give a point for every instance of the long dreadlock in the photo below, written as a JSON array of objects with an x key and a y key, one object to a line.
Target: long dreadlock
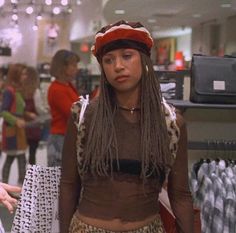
[{"x": 101, "y": 147}]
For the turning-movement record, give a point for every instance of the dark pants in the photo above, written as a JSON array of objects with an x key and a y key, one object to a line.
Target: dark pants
[
  {"x": 21, "y": 166},
  {"x": 33, "y": 145}
]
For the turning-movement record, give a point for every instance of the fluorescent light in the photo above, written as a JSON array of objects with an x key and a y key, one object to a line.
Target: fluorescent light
[
  {"x": 225, "y": 5},
  {"x": 197, "y": 15},
  {"x": 152, "y": 20},
  {"x": 119, "y": 12}
]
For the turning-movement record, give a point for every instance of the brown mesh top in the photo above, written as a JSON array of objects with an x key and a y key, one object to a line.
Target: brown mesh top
[{"x": 124, "y": 196}]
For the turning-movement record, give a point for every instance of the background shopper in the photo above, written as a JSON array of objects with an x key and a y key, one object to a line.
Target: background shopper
[
  {"x": 33, "y": 130},
  {"x": 13, "y": 112},
  {"x": 61, "y": 95}
]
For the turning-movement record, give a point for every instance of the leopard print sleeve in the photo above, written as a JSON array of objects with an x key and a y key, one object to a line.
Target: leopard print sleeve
[
  {"x": 78, "y": 111},
  {"x": 172, "y": 127}
]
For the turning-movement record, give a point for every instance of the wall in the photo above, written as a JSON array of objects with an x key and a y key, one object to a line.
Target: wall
[
  {"x": 184, "y": 44},
  {"x": 217, "y": 33},
  {"x": 47, "y": 47},
  {"x": 230, "y": 46}
]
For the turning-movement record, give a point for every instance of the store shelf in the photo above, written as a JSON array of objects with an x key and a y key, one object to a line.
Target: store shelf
[
  {"x": 186, "y": 104},
  {"x": 229, "y": 145}
]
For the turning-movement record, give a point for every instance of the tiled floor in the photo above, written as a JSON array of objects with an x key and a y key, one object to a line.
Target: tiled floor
[{"x": 41, "y": 159}]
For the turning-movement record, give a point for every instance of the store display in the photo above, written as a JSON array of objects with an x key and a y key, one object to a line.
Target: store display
[
  {"x": 213, "y": 79},
  {"x": 171, "y": 83}
]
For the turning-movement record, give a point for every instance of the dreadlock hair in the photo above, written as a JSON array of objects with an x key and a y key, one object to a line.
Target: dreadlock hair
[{"x": 101, "y": 146}]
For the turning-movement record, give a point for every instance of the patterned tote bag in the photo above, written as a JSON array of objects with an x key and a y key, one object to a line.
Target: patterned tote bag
[{"x": 37, "y": 209}]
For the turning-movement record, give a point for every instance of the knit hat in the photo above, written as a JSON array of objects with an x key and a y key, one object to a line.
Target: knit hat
[{"x": 122, "y": 34}]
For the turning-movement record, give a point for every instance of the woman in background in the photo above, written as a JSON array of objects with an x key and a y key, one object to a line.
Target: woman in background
[
  {"x": 14, "y": 142},
  {"x": 61, "y": 95},
  {"x": 119, "y": 151},
  {"x": 33, "y": 130}
]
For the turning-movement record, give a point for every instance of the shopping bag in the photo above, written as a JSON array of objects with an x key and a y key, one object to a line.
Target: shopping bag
[
  {"x": 37, "y": 209},
  {"x": 1, "y": 227},
  {"x": 213, "y": 79}
]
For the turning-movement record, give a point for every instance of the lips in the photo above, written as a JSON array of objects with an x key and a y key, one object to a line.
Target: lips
[{"x": 121, "y": 78}]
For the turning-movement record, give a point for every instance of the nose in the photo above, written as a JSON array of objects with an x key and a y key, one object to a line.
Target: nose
[{"x": 118, "y": 64}]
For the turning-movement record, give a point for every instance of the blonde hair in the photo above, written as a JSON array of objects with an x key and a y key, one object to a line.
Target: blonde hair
[{"x": 14, "y": 75}]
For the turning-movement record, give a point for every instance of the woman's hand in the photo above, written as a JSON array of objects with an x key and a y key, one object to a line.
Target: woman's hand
[
  {"x": 20, "y": 123},
  {"x": 8, "y": 201},
  {"x": 31, "y": 115}
]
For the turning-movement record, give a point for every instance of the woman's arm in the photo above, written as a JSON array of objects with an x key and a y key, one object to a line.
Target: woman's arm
[
  {"x": 178, "y": 186},
  {"x": 70, "y": 184}
]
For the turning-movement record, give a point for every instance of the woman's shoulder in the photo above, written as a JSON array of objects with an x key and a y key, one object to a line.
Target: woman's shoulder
[
  {"x": 84, "y": 107},
  {"x": 173, "y": 114},
  {"x": 10, "y": 89}
]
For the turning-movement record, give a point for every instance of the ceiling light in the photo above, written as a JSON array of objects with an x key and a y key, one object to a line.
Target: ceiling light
[
  {"x": 196, "y": 16},
  {"x": 152, "y": 20},
  {"x": 29, "y": 10},
  {"x": 56, "y": 10},
  {"x": 14, "y": 1},
  {"x": 48, "y": 2},
  {"x": 35, "y": 27},
  {"x": 2, "y": 2},
  {"x": 119, "y": 12},
  {"x": 39, "y": 16},
  {"x": 69, "y": 10},
  {"x": 64, "y": 2},
  {"x": 78, "y": 2},
  {"x": 14, "y": 17},
  {"x": 225, "y": 5}
]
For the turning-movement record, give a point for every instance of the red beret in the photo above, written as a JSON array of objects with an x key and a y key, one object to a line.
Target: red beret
[{"x": 122, "y": 34}]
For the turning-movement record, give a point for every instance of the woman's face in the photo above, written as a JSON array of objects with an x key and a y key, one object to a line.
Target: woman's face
[
  {"x": 23, "y": 75},
  {"x": 71, "y": 70},
  {"x": 123, "y": 69}
]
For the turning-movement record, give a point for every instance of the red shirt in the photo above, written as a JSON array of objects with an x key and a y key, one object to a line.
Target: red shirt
[{"x": 60, "y": 98}]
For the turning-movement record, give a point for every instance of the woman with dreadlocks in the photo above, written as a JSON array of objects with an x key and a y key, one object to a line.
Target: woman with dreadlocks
[{"x": 121, "y": 147}]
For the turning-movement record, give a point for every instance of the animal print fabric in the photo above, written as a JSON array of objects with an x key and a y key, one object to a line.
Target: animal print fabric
[
  {"x": 77, "y": 226},
  {"x": 78, "y": 110},
  {"x": 37, "y": 209}
]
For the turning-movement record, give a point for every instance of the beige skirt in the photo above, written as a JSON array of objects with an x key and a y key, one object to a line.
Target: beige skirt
[{"x": 77, "y": 226}]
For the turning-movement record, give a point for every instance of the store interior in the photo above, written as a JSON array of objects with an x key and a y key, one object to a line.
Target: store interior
[{"x": 32, "y": 31}]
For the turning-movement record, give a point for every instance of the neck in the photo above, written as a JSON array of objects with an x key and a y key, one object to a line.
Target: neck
[
  {"x": 128, "y": 100},
  {"x": 131, "y": 110}
]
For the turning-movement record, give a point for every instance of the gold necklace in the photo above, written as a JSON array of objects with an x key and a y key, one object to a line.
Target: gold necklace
[{"x": 131, "y": 110}]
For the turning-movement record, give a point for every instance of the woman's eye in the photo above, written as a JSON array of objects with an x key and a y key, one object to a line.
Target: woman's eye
[
  {"x": 127, "y": 56},
  {"x": 107, "y": 60}
]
